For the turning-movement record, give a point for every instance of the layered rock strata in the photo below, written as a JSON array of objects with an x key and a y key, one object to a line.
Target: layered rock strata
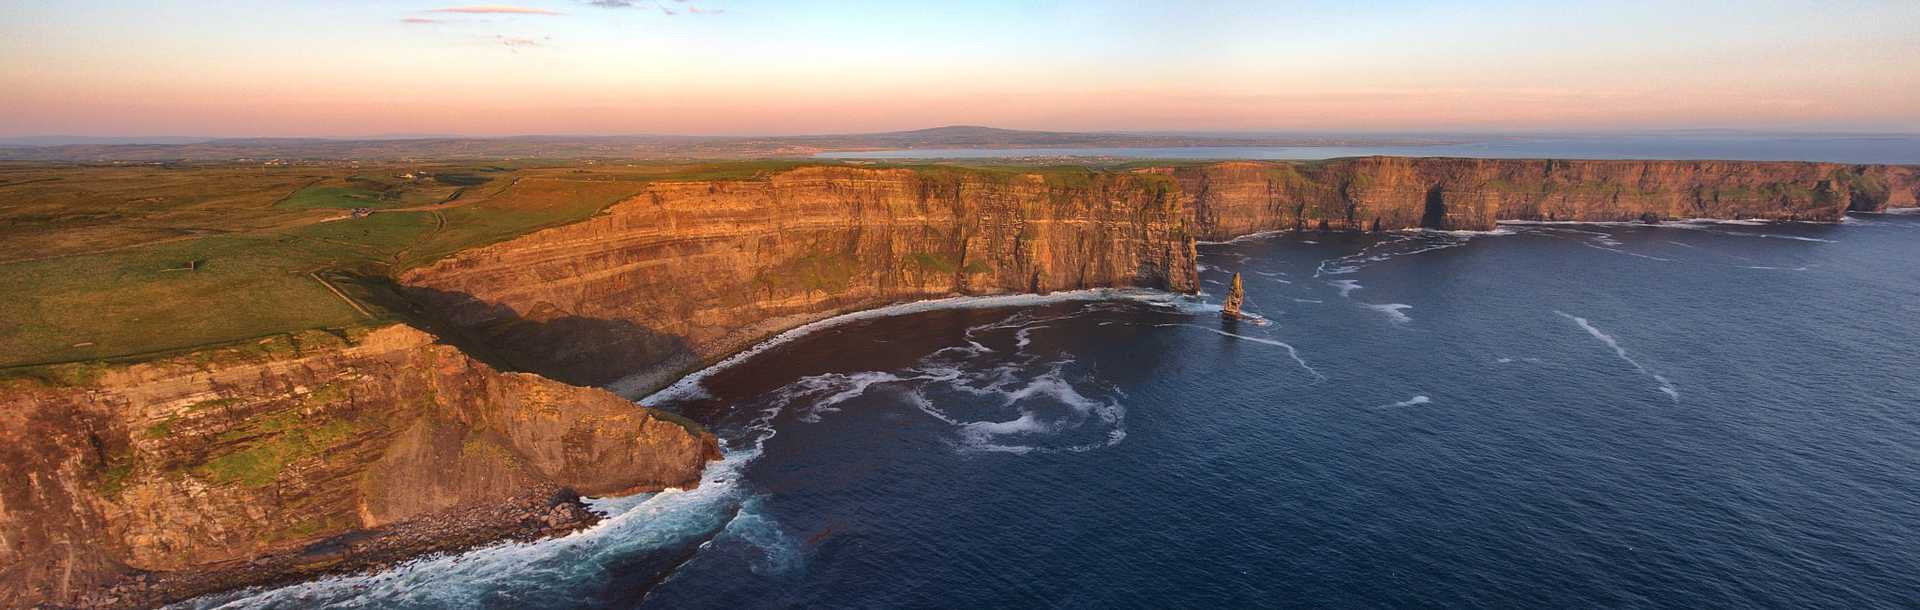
[
  {"x": 1388, "y": 193},
  {"x": 691, "y": 271},
  {"x": 232, "y": 466}
]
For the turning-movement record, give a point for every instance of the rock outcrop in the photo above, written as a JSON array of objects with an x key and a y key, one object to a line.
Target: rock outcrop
[
  {"x": 1236, "y": 294},
  {"x": 241, "y": 465}
]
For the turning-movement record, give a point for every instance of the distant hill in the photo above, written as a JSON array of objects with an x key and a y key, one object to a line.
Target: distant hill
[
  {"x": 58, "y": 140},
  {"x": 59, "y": 148}
]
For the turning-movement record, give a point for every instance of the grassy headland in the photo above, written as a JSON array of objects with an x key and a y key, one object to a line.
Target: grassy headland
[{"x": 130, "y": 262}]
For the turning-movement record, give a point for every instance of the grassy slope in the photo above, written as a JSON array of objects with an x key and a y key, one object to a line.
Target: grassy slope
[{"x": 112, "y": 262}]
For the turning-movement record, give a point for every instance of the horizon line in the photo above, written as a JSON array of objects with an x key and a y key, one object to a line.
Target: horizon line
[{"x": 1437, "y": 131}]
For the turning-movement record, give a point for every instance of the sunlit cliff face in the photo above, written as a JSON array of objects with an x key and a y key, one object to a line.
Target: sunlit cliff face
[{"x": 558, "y": 66}]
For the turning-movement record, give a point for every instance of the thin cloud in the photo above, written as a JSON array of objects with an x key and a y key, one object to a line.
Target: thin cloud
[
  {"x": 495, "y": 9},
  {"x": 518, "y": 42},
  {"x": 690, "y": 9},
  {"x": 419, "y": 20}
]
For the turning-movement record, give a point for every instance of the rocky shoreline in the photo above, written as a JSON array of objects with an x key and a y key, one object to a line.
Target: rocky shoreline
[
  {"x": 556, "y": 513},
  {"x": 267, "y": 463}
]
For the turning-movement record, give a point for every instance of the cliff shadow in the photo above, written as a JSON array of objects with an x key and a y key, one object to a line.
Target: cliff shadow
[
  {"x": 1434, "y": 213},
  {"x": 544, "y": 340}
]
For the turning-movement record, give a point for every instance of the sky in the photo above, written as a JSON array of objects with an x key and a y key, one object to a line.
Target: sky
[{"x": 736, "y": 67}]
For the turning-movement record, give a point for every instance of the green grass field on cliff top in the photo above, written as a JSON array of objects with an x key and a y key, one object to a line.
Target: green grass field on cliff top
[{"x": 128, "y": 262}]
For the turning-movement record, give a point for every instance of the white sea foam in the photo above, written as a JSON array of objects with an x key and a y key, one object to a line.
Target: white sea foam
[
  {"x": 826, "y": 391},
  {"x": 1029, "y": 430},
  {"x": 1495, "y": 232},
  {"x": 1417, "y": 400},
  {"x": 1704, "y": 225},
  {"x": 1600, "y": 240},
  {"x": 1665, "y": 386},
  {"x": 1275, "y": 276},
  {"x": 1024, "y": 336},
  {"x": 1248, "y": 237},
  {"x": 779, "y": 551},
  {"x": 1345, "y": 286},
  {"x": 1410, "y": 243},
  {"x": 1599, "y": 246},
  {"x": 690, "y": 385},
  {"x": 1393, "y": 311},
  {"x": 478, "y": 578},
  {"x": 1294, "y": 353}
]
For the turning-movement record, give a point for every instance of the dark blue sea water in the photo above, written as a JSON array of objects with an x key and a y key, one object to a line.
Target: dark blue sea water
[
  {"x": 1687, "y": 416},
  {"x": 1892, "y": 148}
]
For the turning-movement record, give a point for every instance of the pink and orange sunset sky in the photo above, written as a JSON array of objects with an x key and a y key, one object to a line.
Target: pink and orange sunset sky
[{"x": 323, "y": 68}]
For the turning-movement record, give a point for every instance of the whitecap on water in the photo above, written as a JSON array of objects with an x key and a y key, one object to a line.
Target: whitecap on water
[
  {"x": 1395, "y": 312},
  {"x": 1666, "y": 387},
  {"x": 1291, "y": 351},
  {"x": 1414, "y": 242},
  {"x": 1417, "y": 400},
  {"x": 1344, "y": 286}
]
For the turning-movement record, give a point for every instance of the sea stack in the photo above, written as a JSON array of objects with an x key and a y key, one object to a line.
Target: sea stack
[{"x": 1231, "y": 309}]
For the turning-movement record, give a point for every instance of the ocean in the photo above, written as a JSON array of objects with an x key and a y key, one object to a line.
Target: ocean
[{"x": 1692, "y": 415}]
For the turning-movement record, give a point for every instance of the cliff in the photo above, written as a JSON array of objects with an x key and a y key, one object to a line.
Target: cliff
[
  {"x": 143, "y": 483},
  {"x": 687, "y": 272},
  {"x": 1388, "y": 193},
  {"x": 126, "y": 485}
]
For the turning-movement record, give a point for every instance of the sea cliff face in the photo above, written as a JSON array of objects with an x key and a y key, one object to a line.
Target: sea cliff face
[
  {"x": 226, "y": 467},
  {"x": 1388, "y": 193},
  {"x": 691, "y": 271}
]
